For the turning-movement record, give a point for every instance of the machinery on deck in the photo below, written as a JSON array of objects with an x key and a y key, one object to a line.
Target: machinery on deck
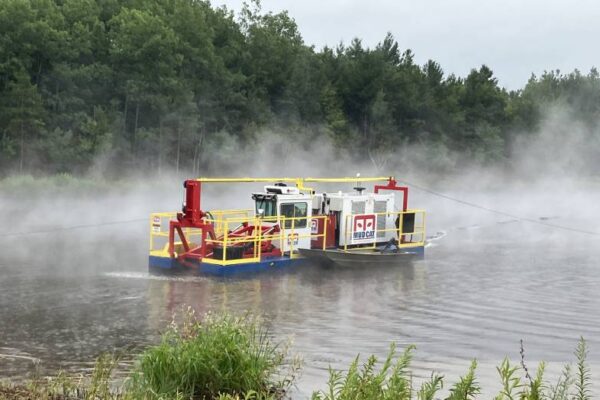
[{"x": 289, "y": 222}]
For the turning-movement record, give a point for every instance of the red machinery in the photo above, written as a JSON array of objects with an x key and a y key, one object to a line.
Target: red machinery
[
  {"x": 392, "y": 186},
  {"x": 192, "y": 216}
]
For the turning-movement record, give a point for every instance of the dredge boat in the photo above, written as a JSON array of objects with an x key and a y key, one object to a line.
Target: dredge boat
[{"x": 290, "y": 222}]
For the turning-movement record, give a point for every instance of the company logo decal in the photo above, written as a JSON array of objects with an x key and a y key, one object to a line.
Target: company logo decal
[
  {"x": 314, "y": 226},
  {"x": 363, "y": 228}
]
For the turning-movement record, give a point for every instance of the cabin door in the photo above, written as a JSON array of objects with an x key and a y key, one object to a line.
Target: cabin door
[{"x": 295, "y": 224}]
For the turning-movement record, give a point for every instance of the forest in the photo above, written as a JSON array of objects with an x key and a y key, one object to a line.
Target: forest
[{"x": 157, "y": 85}]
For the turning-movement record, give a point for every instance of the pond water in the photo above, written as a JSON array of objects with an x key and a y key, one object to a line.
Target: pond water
[{"x": 486, "y": 282}]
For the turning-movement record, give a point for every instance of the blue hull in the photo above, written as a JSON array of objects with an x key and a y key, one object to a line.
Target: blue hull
[
  {"x": 163, "y": 264},
  {"x": 269, "y": 264}
]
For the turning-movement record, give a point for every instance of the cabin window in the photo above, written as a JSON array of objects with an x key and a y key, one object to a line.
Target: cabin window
[
  {"x": 295, "y": 210},
  {"x": 267, "y": 205}
]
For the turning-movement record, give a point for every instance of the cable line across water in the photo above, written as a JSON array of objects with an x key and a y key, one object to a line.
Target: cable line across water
[
  {"x": 419, "y": 187},
  {"x": 517, "y": 217},
  {"x": 73, "y": 227}
]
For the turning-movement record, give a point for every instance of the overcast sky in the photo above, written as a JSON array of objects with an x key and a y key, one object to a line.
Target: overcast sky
[{"x": 513, "y": 37}]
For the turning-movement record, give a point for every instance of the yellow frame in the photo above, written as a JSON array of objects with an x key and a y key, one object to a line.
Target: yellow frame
[
  {"x": 298, "y": 181},
  {"x": 418, "y": 230},
  {"x": 224, "y": 221},
  {"x": 223, "y": 218},
  {"x": 258, "y": 237}
]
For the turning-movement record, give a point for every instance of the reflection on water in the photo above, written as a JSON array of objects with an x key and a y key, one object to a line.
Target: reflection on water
[{"x": 474, "y": 295}]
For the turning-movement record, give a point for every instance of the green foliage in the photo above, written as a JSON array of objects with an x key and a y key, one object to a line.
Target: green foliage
[
  {"x": 560, "y": 391},
  {"x": 582, "y": 373},
  {"x": 467, "y": 387},
  {"x": 391, "y": 381},
  {"x": 395, "y": 381},
  {"x": 22, "y": 117},
  {"x": 217, "y": 355},
  {"x": 511, "y": 382},
  {"x": 515, "y": 386},
  {"x": 231, "y": 358},
  {"x": 98, "y": 386},
  {"x": 145, "y": 83},
  {"x": 19, "y": 185},
  {"x": 430, "y": 388}
]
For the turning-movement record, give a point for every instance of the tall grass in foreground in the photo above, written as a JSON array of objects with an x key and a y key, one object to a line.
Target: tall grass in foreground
[
  {"x": 64, "y": 387},
  {"x": 216, "y": 357},
  {"x": 392, "y": 380},
  {"x": 232, "y": 358}
]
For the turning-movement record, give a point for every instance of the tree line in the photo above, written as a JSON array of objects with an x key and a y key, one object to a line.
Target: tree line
[{"x": 157, "y": 84}]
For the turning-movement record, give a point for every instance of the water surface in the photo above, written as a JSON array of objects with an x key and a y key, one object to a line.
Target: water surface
[{"x": 482, "y": 287}]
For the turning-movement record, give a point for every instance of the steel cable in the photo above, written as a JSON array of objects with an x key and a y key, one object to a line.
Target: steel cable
[{"x": 517, "y": 217}]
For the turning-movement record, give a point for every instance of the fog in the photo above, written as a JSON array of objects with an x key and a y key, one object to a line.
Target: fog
[
  {"x": 543, "y": 204},
  {"x": 551, "y": 185}
]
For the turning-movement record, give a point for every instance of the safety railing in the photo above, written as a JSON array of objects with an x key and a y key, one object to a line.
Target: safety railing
[
  {"x": 159, "y": 230},
  {"x": 218, "y": 218},
  {"x": 159, "y": 235},
  {"x": 287, "y": 239},
  {"x": 416, "y": 237},
  {"x": 292, "y": 236},
  {"x": 408, "y": 228}
]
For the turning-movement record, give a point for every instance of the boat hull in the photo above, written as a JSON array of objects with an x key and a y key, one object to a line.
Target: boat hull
[
  {"x": 164, "y": 264},
  {"x": 350, "y": 259},
  {"x": 329, "y": 257}
]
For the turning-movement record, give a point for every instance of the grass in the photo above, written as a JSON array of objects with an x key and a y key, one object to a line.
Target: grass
[
  {"x": 67, "y": 184},
  {"x": 233, "y": 358},
  {"x": 393, "y": 380},
  {"x": 217, "y": 356},
  {"x": 17, "y": 182},
  {"x": 63, "y": 387}
]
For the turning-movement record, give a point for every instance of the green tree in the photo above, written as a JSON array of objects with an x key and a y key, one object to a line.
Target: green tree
[
  {"x": 162, "y": 83},
  {"x": 145, "y": 52},
  {"x": 484, "y": 105},
  {"x": 272, "y": 45},
  {"x": 22, "y": 117}
]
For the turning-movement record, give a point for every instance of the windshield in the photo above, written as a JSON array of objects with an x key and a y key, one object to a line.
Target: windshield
[{"x": 267, "y": 206}]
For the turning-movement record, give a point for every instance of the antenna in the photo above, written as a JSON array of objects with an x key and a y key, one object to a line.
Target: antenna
[{"x": 358, "y": 188}]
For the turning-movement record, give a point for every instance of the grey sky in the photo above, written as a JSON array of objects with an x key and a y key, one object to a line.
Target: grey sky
[{"x": 513, "y": 37}]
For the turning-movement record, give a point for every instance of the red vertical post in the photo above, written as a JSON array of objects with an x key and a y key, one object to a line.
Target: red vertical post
[
  {"x": 191, "y": 211},
  {"x": 392, "y": 186}
]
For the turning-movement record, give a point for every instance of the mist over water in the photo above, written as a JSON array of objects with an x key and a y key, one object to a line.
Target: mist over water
[{"x": 487, "y": 281}]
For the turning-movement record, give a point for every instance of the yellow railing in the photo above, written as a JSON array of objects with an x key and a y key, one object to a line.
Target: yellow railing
[
  {"x": 220, "y": 216},
  {"x": 292, "y": 235},
  {"x": 159, "y": 230},
  {"x": 416, "y": 238},
  {"x": 418, "y": 229},
  {"x": 225, "y": 221},
  {"x": 287, "y": 239},
  {"x": 298, "y": 181},
  {"x": 284, "y": 236}
]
